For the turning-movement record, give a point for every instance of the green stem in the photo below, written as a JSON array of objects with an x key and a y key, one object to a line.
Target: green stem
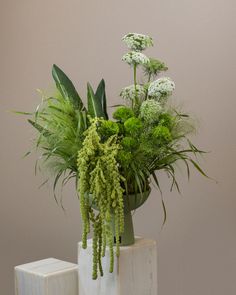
[
  {"x": 135, "y": 83},
  {"x": 149, "y": 79}
]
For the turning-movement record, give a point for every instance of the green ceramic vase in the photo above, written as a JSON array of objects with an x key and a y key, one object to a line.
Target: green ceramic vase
[{"x": 131, "y": 202}]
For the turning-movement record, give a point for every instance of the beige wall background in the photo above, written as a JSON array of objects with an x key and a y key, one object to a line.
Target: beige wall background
[{"x": 197, "y": 247}]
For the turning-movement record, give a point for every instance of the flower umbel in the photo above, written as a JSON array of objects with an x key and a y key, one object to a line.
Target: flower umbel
[
  {"x": 160, "y": 88},
  {"x": 137, "y": 42},
  {"x": 129, "y": 92},
  {"x": 135, "y": 58}
]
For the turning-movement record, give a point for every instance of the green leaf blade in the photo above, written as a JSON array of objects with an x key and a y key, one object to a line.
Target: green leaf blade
[
  {"x": 94, "y": 104},
  {"x": 100, "y": 94},
  {"x": 66, "y": 87}
]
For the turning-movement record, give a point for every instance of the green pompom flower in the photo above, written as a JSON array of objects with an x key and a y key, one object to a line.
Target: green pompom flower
[
  {"x": 166, "y": 120},
  {"x": 162, "y": 133},
  {"x": 108, "y": 128},
  {"x": 128, "y": 143},
  {"x": 124, "y": 158},
  {"x": 123, "y": 113},
  {"x": 133, "y": 125},
  {"x": 150, "y": 110}
]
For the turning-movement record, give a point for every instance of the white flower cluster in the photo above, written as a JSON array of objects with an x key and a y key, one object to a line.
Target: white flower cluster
[
  {"x": 162, "y": 87},
  {"x": 129, "y": 92},
  {"x": 134, "y": 57},
  {"x": 137, "y": 42},
  {"x": 150, "y": 110}
]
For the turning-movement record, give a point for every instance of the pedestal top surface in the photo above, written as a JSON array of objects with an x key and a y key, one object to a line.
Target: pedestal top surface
[{"x": 46, "y": 266}]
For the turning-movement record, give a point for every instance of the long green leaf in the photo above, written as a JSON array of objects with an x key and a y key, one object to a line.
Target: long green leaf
[
  {"x": 101, "y": 95},
  {"x": 82, "y": 122},
  {"x": 94, "y": 104},
  {"x": 156, "y": 182},
  {"x": 164, "y": 211},
  {"x": 66, "y": 87},
  {"x": 22, "y": 113},
  {"x": 56, "y": 179},
  {"x": 42, "y": 130},
  {"x": 198, "y": 168},
  {"x": 162, "y": 200}
]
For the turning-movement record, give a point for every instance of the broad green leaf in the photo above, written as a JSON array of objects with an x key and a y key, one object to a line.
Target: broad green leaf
[
  {"x": 94, "y": 104},
  {"x": 101, "y": 95},
  {"x": 66, "y": 87}
]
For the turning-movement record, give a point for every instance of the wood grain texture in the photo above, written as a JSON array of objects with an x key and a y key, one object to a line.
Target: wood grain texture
[
  {"x": 46, "y": 277},
  {"x": 135, "y": 272}
]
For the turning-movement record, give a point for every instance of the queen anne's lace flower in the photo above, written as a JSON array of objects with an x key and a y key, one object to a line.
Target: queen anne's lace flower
[
  {"x": 162, "y": 87},
  {"x": 150, "y": 110},
  {"x": 134, "y": 57},
  {"x": 137, "y": 42},
  {"x": 129, "y": 92}
]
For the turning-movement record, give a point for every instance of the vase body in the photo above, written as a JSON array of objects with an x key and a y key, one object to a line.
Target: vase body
[
  {"x": 127, "y": 237},
  {"x": 131, "y": 202}
]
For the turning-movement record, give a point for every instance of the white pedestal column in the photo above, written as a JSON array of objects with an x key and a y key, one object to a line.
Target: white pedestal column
[
  {"x": 135, "y": 272},
  {"x": 46, "y": 277}
]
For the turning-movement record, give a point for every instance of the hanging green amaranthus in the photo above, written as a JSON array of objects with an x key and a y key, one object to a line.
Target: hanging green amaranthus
[{"x": 100, "y": 187}]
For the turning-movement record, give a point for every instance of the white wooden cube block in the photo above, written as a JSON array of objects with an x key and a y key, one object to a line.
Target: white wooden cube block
[
  {"x": 135, "y": 271},
  {"x": 46, "y": 277}
]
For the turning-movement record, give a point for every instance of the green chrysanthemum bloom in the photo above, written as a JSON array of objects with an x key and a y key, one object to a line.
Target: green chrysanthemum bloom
[
  {"x": 124, "y": 157},
  {"x": 162, "y": 133},
  {"x": 129, "y": 92},
  {"x": 150, "y": 110},
  {"x": 137, "y": 42},
  {"x": 128, "y": 143},
  {"x": 108, "y": 128},
  {"x": 162, "y": 87},
  {"x": 123, "y": 113},
  {"x": 133, "y": 125},
  {"x": 135, "y": 58},
  {"x": 166, "y": 120}
]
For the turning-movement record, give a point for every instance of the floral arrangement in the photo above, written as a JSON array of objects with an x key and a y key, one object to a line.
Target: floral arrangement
[{"x": 112, "y": 159}]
